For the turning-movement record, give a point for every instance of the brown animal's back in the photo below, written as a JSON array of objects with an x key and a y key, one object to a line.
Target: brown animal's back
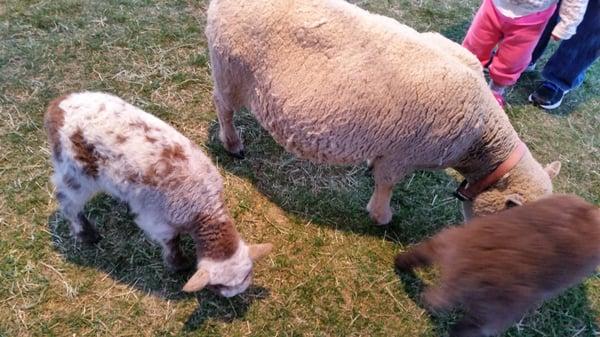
[{"x": 527, "y": 253}]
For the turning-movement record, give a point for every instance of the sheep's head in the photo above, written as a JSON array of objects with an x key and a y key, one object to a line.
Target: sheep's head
[
  {"x": 526, "y": 182},
  {"x": 231, "y": 276}
]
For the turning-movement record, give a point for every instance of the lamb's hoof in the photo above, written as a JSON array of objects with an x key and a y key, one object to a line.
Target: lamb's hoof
[
  {"x": 238, "y": 155},
  {"x": 89, "y": 237},
  {"x": 88, "y": 234},
  {"x": 179, "y": 265}
]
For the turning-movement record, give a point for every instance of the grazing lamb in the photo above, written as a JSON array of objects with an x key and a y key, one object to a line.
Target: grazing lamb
[
  {"x": 499, "y": 266},
  {"x": 333, "y": 83},
  {"x": 99, "y": 143}
]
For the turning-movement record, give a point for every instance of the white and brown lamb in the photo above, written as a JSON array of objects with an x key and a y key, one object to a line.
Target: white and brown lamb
[
  {"x": 100, "y": 143},
  {"x": 334, "y": 83}
]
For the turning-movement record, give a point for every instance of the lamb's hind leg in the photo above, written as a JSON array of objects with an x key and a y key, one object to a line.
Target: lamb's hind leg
[
  {"x": 72, "y": 197},
  {"x": 227, "y": 133},
  {"x": 386, "y": 173}
]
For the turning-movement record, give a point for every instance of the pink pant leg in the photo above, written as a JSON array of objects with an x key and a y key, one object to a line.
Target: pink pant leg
[
  {"x": 484, "y": 33},
  {"x": 514, "y": 51}
]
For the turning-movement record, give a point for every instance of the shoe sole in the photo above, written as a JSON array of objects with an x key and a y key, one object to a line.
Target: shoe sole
[{"x": 547, "y": 107}]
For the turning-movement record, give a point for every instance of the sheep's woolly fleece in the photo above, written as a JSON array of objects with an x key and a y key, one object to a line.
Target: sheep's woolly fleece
[
  {"x": 100, "y": 143},
  {"x": 333, "y": 83}
]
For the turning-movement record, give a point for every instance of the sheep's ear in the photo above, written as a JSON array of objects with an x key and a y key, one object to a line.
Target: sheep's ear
[
  {"x": 259, "y": 251},
  {"x": 552, "y": 169},
  {"x": 513, "y": 200},
  {"x": 198, "y": 281}
]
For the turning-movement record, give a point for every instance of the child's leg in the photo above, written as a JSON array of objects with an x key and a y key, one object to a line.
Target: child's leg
[
  {"x": 484, "y": 33},
  {"x": 514, "y": 52}
]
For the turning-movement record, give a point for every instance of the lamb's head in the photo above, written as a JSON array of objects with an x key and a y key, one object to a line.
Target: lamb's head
[
  {"x": 231, "y": 276},
  {"x": 526, "y": 182}
]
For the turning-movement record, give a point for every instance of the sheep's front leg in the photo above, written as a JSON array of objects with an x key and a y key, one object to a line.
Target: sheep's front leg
[
  {"x": 379, "y": 206},
  {"x": 227, "y": 133},
  {"x": 386, "y": 174}
]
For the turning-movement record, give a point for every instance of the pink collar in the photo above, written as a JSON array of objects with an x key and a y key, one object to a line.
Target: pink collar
[{"x": 467, "y": 191}]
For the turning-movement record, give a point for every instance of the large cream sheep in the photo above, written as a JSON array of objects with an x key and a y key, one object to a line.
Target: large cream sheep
[
  {"x": 100, "y": 143},
  {"x": 333, "y": 83}
]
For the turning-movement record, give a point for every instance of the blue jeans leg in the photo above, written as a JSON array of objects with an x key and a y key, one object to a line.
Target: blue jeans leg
[
  {"x": 566, "y": 68},
  {"x": 546, "y": 35}
]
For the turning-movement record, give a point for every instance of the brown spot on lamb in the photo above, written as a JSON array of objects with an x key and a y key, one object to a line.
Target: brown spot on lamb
[
  {"x": 173, "y": 152},
  {"x": 85, "y": 153},
  {"x": 53, "y": 121},
  {"x": 333, "y": 83},
  {"x": 140, "y": 124},
  {"x": 499, "y": 266},
  {"x": 121, "y": 139},
  {"x": 171, "y": 186}
]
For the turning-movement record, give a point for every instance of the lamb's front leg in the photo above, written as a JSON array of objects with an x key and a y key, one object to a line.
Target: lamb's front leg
[
  {"x": 173, "y": 255},
  {"x": 386, "y": 174},
  {"x": 167, "y": 237}
]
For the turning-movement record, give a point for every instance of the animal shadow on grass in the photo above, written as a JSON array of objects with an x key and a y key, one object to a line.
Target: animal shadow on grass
[
  {"x": 336, "y": 196},
  {"x": 569, "y": 314},
  {"x": 212, "y": 306},
  {"x": 127, "y": 256}
]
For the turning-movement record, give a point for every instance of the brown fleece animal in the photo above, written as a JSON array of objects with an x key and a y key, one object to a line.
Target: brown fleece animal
[
  {"x": 499, "y": 266},
  {"x": 333, "y": 83}
]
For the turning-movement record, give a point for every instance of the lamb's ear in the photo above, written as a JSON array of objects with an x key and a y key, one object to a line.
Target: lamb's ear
[
  {"x": 259, "y": 251},
  {"x": 198, "y": 281},
  {"x": 513, "y": 200},
  {"x": 552, "y": 169}
]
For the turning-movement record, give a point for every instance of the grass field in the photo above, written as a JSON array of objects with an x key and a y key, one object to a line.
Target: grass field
[{"x": 331, "y": 273}]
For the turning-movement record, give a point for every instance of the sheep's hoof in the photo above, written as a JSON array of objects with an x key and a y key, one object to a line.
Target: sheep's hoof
[
  {"x": 238, "y": 155},
  {"x": 381, "y": 217},
  {"x": 369, "y": 170}
]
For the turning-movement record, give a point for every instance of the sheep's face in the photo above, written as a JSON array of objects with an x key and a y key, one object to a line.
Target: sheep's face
[
  {"x": 231, "y": 276},
  {"x": 512, "y": 190}
]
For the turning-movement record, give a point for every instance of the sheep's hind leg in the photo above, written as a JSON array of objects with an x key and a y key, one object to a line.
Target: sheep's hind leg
[
  {"x": 227, "y": 133},
  {"x": 386, "y": 174}
]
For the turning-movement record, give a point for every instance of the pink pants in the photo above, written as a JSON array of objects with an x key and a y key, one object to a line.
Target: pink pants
[{"x": 516, "y": 38}]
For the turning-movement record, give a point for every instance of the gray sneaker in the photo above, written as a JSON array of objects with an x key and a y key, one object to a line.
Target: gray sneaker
[{"x": 547, "y": 95}]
